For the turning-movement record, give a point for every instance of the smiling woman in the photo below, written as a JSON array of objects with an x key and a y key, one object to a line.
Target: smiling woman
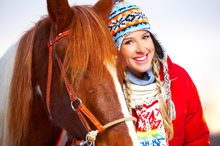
[{"x": 159, "y": 93}]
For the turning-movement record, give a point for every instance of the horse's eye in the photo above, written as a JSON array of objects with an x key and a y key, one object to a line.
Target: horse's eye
[{"x": 85, "y": 74}]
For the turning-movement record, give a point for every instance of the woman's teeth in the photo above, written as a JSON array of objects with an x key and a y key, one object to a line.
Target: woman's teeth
[{"x": 141, "y": 59}]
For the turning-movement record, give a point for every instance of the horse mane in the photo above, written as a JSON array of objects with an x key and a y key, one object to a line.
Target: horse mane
[
  {"x": 21, "y": 91},
  {"x": 91, "y": 47}
]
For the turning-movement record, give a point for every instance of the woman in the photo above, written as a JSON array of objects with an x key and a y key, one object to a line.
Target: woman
[{"x": 160, "y": 94}]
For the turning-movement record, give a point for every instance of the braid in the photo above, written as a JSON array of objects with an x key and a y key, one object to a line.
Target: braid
[
  {"x": 164, "y": 109},
  {"x": 128, "y": 91}
]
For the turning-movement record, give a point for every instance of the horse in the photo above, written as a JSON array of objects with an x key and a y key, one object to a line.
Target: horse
[{"x": 64, "y": 78}]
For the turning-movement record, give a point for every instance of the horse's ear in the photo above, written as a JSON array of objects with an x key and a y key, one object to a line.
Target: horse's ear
[
  {"x": 60, "y": 13},
  {"x": 103, "y": 8}
]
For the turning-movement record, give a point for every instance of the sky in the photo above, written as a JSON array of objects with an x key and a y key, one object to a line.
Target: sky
[{"x": 189, "y": 30}]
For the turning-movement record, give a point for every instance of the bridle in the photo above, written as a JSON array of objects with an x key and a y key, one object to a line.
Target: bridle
[{"x": 76, "y": 103}]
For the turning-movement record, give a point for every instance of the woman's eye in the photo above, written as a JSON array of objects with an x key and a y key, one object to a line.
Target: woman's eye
[
  {"x": 146, "y": 36},
  {"x": 128, "y": 42}
]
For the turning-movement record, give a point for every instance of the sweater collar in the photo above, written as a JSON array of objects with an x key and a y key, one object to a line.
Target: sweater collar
[{"x": 148, "y": 78}]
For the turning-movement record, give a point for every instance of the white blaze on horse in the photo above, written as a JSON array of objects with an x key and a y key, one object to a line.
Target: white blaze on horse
[{"x": 65, "y": 73}]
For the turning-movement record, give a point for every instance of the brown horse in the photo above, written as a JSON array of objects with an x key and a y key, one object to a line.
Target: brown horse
[{"x": 93, "y": 66}]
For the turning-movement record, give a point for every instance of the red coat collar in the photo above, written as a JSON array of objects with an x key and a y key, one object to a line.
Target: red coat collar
[{"x": 172, "y": 70}]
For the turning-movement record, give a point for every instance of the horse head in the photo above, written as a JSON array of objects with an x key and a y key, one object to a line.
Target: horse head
[{"x": 93, "y": 68}]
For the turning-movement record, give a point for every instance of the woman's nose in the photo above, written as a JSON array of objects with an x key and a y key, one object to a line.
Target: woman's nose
[{"x": 140, "y": 48}]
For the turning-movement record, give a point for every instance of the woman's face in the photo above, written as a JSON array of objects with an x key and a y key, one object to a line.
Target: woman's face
[{"x": 138, "y": 50}]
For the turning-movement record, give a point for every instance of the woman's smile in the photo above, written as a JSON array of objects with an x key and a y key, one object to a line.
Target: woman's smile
[{"x": 142, "y": 59}]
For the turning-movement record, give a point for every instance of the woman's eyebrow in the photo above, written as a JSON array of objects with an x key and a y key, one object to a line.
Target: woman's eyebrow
[
  {"x": 146, "y": 33},
  {"x": 128, "y": 38}
]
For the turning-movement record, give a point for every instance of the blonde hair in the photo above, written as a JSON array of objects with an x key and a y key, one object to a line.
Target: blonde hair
[
  {"x": 163, "y": 106},
  {"x": 128, "y": 91}
]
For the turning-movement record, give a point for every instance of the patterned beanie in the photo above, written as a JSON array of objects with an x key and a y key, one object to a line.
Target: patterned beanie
[{"x": 126, "y": 18}]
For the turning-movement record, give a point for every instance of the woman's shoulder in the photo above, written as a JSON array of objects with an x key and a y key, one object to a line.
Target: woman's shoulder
[
  {"x": 180, "y": 78},
  {"x": 175, "y": 71},
  {"x": 182, "y": 74},
  {"x": 180, "y": 71}
]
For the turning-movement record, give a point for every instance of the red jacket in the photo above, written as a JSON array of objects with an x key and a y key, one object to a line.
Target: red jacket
[{"x": 190, "y": 128}]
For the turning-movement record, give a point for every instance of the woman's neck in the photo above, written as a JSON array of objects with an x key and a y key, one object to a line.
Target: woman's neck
[
  {"x": 147, "y": 78},
  {"x": 138, "y": 75}
]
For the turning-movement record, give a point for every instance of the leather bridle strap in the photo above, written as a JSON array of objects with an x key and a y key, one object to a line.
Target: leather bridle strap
[
  {"x": 79, "y": 106},
  {"x": 50, "y": 63},
  {"x": 75, "y": 102}
]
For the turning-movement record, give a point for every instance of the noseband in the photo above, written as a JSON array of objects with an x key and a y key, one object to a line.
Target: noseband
[{"x": 76, "y": 103}]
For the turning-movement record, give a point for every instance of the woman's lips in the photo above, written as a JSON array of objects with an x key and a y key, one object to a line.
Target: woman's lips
[{"x": 141, "y": 59}]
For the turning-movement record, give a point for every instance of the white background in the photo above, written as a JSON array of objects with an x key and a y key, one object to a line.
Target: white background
[{"x": 189, "y": 29}]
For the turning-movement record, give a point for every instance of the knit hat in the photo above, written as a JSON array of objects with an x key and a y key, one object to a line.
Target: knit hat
[{"x": 126, "y": 18}]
